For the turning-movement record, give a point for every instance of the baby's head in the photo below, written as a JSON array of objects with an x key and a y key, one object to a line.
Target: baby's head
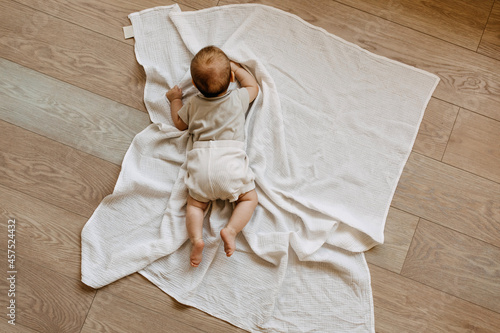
[{"x": 211, "y": 71}]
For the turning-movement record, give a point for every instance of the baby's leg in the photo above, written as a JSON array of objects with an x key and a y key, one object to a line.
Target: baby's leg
[
  {"x": 241, "y": 215},
  {"x": 194, "y": 225}
]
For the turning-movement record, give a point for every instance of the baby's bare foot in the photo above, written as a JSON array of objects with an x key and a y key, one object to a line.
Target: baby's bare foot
[
  {"x": 196, "y": 252},
  {"x": 229, "y": 238}
]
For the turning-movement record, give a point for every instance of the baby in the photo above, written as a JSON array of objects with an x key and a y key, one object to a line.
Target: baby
[{"x": 217, "y": 166}]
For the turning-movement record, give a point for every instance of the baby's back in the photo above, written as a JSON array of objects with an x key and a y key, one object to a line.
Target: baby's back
[{"x": 218, "y": 118}]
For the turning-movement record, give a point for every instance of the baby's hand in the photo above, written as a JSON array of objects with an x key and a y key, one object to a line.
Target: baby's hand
[{"x": 174, "y": 93}]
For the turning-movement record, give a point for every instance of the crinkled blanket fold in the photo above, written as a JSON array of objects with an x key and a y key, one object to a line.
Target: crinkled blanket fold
[{"x": 327, "y": 137}]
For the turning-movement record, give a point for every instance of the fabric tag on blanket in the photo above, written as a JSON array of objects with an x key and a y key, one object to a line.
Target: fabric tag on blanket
[{"x": 128, "y": 32}]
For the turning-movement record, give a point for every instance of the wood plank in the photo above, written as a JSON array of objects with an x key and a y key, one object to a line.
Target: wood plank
[
  {"x": 44, "y": 229},
  {"x": 110, "y": 313},
  {"x": 137, "y": 289},
  {"x": 475, "y": 145},
  {"x": 435, "y": 130},
  {"x": 70, "y": 53},
  {"x": 6, "y": 327},
  {"x": 456, "y": 264},
  {"x": 67, "y": 114},
  {"x": 490, "y": 43},
  {"x": 53, "y": 172},
  {"x": 399, "y": 229},
  {"x": 47, "y": 301},
  {"x": 430, "y": 189},
  {"x": 106, "y": 17},
  {"x": 451, "y": 197},
  {"x": 403, "y": 305},
  {"x": 468, "y": 80},
  {"x": 459, "y": 22}
]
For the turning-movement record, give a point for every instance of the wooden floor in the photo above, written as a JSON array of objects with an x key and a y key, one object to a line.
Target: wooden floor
[{"x": 71, "y": 100}]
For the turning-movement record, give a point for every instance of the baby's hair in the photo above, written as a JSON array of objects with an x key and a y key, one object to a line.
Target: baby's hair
[{"x": 211, "y": 71}]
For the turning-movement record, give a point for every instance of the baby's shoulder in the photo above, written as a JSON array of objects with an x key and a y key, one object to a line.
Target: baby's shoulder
[{"x": 243, "y": 96}]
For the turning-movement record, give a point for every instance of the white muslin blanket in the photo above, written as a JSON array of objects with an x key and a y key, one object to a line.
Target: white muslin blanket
[{"x": 327, "y": 138}]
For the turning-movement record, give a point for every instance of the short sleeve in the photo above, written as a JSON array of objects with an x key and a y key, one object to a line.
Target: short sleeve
[
  {"x": 244, "y": 98},
  {"x": 184, "y": 114}
]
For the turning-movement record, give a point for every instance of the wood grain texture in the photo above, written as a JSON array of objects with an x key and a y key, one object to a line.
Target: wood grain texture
[
  {"x": 18, "y": 328},
  {"x": 5, "y": 286},
  {"x": 137, "y": 289},
  {"x": 435, "y": 130},
  {"x": 406, "y": 306},
  {"x": 468, "y": 80},
  {"x": 456, "y": 264},
  {"x": 105, "y": 17},
  {"x": 451, "y": 197},
  {"x": 460, "y": 22},
  {"x": 490, "y": 43},
  {"x": 108, "y": 313},
  {"x": 475, "y": 145},
  {"x": 53, "y": 172},
  {"x": 48, "y": 301},
  {"x": 398, "y": 233},
  {"x": 61, "y": 49},
  {"x": 76, "y": 72},
  {"x": 67, "y": 114},
  {"x": 45, "y": 229}
]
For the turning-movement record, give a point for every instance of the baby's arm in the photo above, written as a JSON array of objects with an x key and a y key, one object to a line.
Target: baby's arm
[
  {"x": 174, "y": 96},
  {"x": 246, "y": 80}
]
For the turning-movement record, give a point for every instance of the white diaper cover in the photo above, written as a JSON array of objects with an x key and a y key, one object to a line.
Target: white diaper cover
[{"x": 218, "y": 170}]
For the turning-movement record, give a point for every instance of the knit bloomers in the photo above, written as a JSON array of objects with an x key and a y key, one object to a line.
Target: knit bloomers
[{"x": 218, "y": 170}]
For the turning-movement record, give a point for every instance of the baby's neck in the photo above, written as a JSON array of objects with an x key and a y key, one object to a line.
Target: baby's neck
[{"x": 222, "y": 94}]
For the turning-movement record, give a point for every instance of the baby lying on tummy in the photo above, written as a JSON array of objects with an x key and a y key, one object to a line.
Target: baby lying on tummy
[{"x": 217, "y": 166}]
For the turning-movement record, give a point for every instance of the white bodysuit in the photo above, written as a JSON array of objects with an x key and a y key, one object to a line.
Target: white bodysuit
[{"x": 217, "y": 166}]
